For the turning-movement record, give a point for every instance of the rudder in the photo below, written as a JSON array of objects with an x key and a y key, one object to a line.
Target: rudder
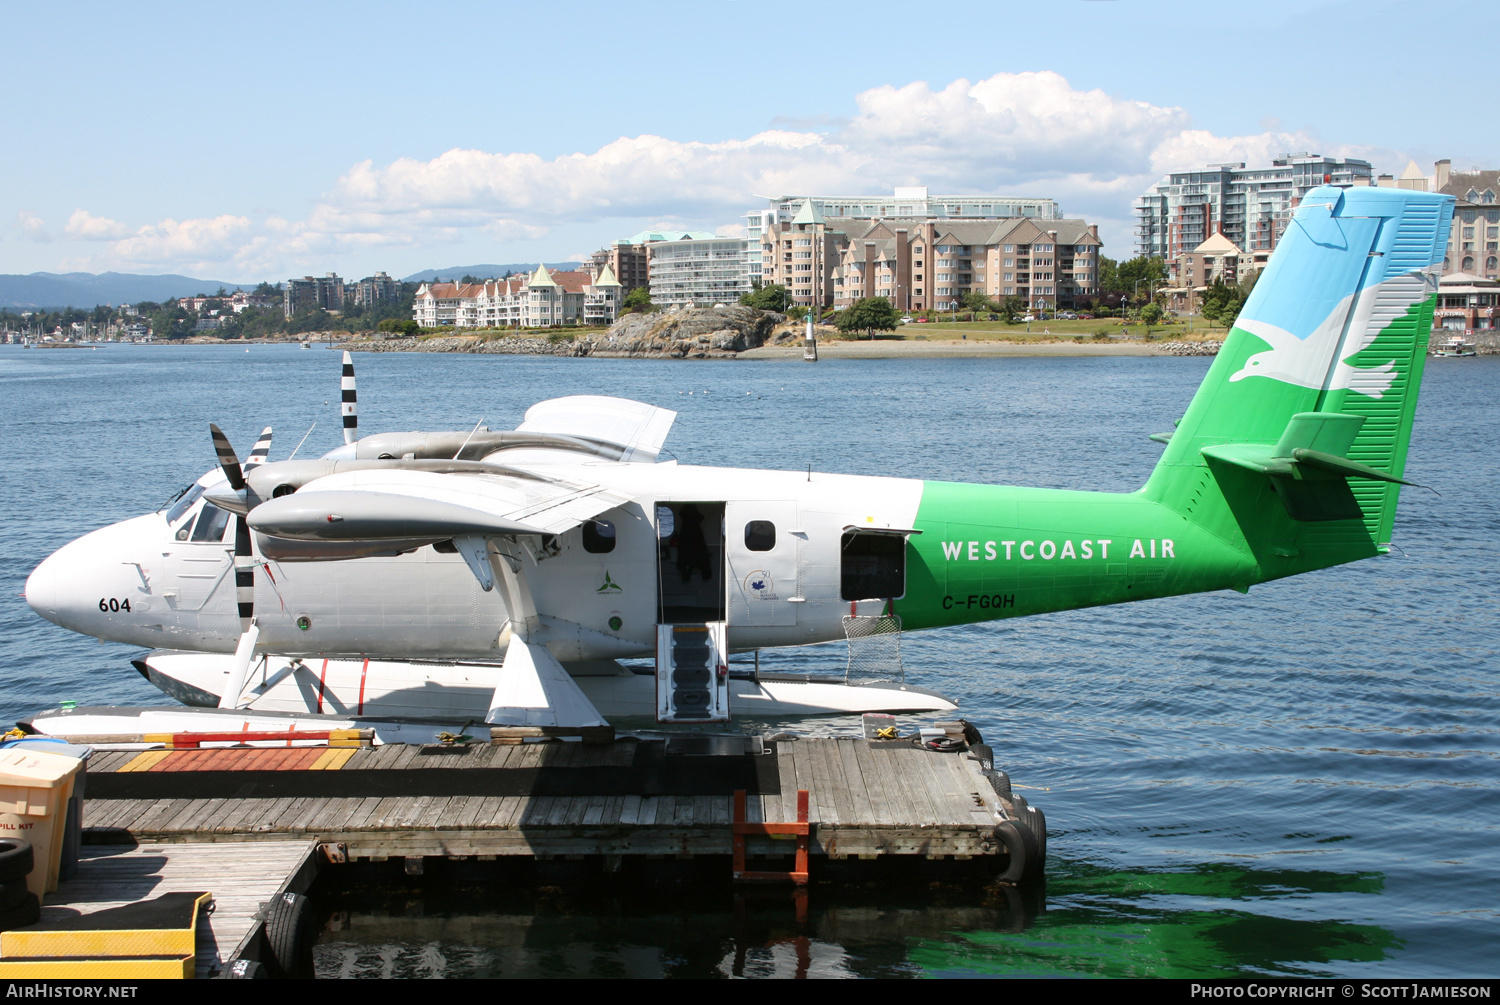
[{"x": 1295, "y": 444}]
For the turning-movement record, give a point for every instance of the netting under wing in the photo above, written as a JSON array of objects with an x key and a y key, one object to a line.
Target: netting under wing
[{"x": 874, "y": 650}]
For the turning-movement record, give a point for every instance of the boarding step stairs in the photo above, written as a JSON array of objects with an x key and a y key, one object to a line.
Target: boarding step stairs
[{"x": 692, "y": 672}]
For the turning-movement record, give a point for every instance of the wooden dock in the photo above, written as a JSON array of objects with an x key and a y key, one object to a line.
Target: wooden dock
[
  {"x": 115, "y": 882},
  {"x": 633, "y": 797}
]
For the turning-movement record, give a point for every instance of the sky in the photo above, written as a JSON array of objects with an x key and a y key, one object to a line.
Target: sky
[{"x": 249, "y": 142}]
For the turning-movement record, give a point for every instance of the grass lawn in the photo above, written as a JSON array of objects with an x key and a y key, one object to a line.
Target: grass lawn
[{"x": 1000, "y": 331}]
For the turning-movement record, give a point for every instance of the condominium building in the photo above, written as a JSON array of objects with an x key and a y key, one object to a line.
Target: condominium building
[
  {"x": 374, "y": 289},
  {"x": 326, "y": 292},
  {"x": 1474, "y": 241},
  {"x": 1217, "y": 259},
  {"x": 629, "y": 258},
  {"x": 915, "y": 203},
  {"x": 932, "y": 263},
  {"x": 757, "y": 222},
  {"x": 541, "y": 299},
  {"x": 705, "y": 270},
  {"x": 1250, "y": 206}
]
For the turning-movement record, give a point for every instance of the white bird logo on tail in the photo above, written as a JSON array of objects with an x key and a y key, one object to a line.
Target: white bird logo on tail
[{"x": 1306, "y": 362}]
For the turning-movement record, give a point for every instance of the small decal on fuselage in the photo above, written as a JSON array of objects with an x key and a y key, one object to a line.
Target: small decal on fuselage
[
  {"x": 1048, "y": 550},
  {"x": 609, "y": 586},
  {"x": 760, "y": 585}
]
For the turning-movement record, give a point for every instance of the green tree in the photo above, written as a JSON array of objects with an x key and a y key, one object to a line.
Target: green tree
[
  {"x": 1131, "y": 275},
  {"x": 1151, "y": 313},
  {"x": 1216, "y": 299},
  {"x": 869, "y": 314},
  {"x": 977, "y": 302},
  {"x": 1013, "y": 307},
  {"x": 638, "y": 299},
  {"x": 767, "y": 298},
  {"x": 1109, "y": 278},
  {"x": 169, "y": 321},
  {"x": 1126, "y": 278}
]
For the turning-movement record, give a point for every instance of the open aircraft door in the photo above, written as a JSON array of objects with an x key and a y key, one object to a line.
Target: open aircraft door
[{"x": 760, "y": 544}]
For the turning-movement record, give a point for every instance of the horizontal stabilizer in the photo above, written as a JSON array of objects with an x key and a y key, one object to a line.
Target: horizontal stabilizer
[
  {"x": 533, "y": 689},
  {"x": 1300, "y": 464},
  {"x": 1306, "y": 466}
]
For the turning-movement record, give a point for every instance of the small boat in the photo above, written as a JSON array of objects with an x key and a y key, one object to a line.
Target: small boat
[
  {"x": 1455, "y": 346},
  {"x": 306, "y": 344}
]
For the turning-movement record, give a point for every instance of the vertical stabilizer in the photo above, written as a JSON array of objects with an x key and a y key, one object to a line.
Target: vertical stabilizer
[{"x": 1295, "y": 444}]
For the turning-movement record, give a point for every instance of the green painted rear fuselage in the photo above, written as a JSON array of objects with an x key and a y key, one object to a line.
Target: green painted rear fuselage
[{"x": 988, "y": 552}]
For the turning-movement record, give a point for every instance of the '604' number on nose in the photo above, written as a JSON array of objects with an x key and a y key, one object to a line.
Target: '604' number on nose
[{"x": 110, "y": 605}]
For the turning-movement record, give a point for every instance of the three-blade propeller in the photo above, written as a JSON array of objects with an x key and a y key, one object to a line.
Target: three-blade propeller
[{"x": 244, "y": 555}]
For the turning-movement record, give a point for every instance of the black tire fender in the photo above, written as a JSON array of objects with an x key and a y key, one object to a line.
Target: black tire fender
[
  {"x": 1038, "y": 825},
  {"x": 1020, "y": 847},
  {"x": 16, "y": 859},
  {"x": 242, "y": 970},
  {"x": 289, "y": 935}
]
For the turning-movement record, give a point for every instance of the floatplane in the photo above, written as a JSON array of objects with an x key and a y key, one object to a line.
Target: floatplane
[{"x": 501, "y": 576}]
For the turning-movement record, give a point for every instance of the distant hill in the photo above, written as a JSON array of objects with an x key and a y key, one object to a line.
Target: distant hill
[
  {"x": 51, "y": 290},
  {"x": 481, "y": 271}
]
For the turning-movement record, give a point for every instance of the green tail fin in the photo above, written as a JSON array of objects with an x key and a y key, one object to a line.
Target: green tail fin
[{"x": 1295, "y": 444}]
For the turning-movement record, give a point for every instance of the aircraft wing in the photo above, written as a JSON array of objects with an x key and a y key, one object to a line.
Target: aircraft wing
[
  {"x": 406, "y": 505},
  {"x": 639, "y": 428}
]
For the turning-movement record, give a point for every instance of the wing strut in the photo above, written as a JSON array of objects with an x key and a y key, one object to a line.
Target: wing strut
[{"x": 532, "y": 688}]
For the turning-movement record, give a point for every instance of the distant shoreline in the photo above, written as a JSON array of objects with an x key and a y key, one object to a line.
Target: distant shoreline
[
  {"x": 961, "y": 349},
  {"x": 830, "y": 349}
]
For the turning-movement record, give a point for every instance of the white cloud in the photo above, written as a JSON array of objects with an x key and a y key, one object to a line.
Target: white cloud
[
  {"x": 187, "y": 244},
  {"x": 1012, "y": 133},
  {"x": 32, "y": 227},
  {"x": 85, "y": 226}
]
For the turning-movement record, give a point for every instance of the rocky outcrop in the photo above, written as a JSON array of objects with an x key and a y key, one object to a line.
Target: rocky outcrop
[
  {"x": 1189, "y": 348},
  {"x": 502, "y": 345},
  {"x": 693, "y": 333}
]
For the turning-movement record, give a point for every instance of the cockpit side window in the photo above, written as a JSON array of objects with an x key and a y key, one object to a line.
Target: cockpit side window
[
  {"x": 211, "y": 523},
  {"x": 184, "y": 502}
]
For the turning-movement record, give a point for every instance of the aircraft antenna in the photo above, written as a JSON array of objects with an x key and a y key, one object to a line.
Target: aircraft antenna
[
  {"x": 303, "y": 440},
  {"x": 468, "y": 438}
]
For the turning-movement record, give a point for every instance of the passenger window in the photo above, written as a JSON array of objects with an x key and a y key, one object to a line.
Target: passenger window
[
  {"x": 760, "y": 535},
  {"x": 874, "y": 567},
  {"x": 211, "y": 523},
  {"x": 598, "y": 537},
  {"x": 666, "y": 522}
]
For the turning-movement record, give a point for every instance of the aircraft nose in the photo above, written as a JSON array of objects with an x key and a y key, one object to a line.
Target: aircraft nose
[
  {"x": 73, "y": 586},
  {"x": 41, "y": 588}
]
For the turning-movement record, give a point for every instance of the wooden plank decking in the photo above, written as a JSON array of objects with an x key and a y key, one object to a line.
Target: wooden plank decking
[
  {"x": 242, "y": 878},
  {"x": 547, "y": 800}
]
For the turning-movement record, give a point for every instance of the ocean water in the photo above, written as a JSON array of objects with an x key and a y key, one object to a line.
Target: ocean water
[{"x": 1298, "y": 781}]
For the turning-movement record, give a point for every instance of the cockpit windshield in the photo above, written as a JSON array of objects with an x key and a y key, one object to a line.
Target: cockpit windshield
[
  {"x": 185, "y": 500},
  {"x": 211, "y": 523}
]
